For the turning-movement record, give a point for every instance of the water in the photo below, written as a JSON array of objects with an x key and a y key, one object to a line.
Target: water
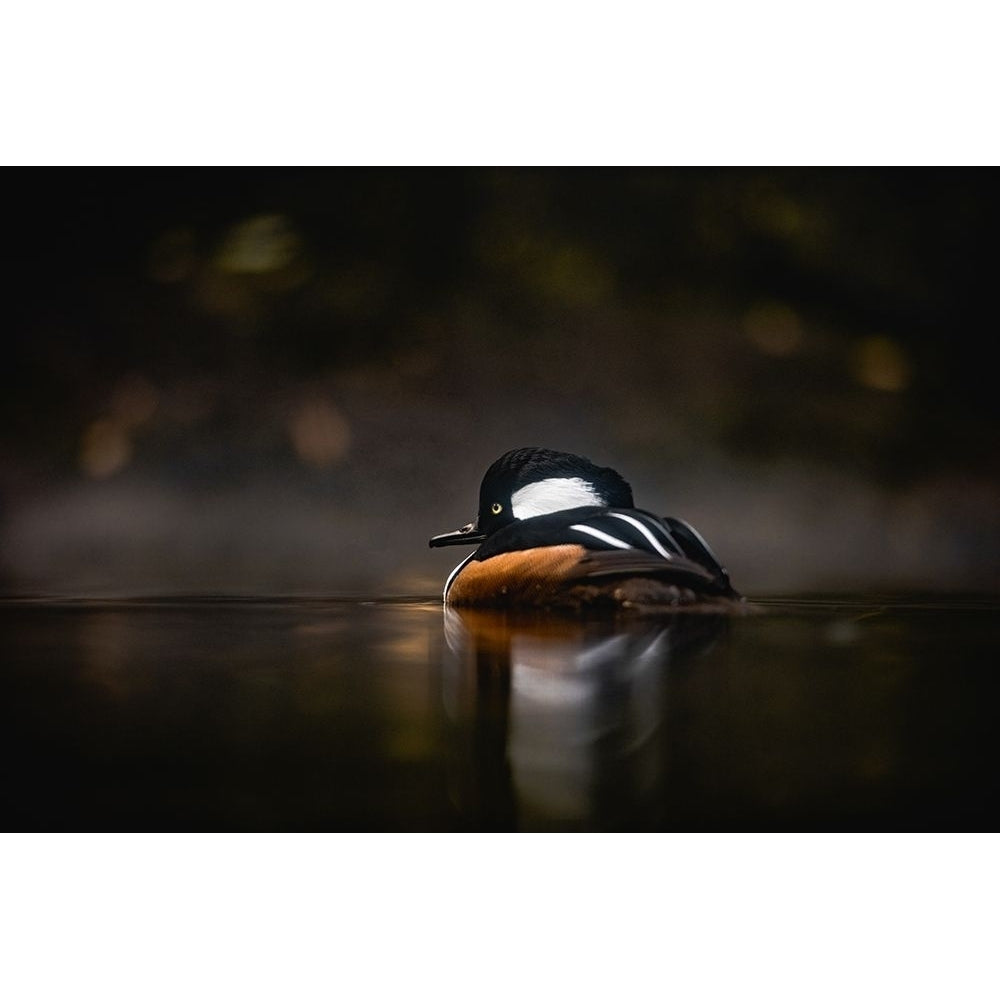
[{"x": 390, "y": 715}]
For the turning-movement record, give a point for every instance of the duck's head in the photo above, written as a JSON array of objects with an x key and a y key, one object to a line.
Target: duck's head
[{"x": 528, "y": 482}]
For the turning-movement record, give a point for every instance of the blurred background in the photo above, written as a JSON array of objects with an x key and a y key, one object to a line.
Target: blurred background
[{"x": 283, "y": 381}]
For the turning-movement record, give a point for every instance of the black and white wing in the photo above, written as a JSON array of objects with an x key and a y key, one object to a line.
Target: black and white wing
[{"x": 641, "y": 543}]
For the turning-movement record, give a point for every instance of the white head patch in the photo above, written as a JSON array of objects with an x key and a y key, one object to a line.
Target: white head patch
[{"x": 549, "y": 495}]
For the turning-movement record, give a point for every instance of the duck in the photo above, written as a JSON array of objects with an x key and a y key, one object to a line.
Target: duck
[{"x": 556, "y": 532}]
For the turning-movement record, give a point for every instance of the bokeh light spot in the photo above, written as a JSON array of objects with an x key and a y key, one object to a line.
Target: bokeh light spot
[
  {"x": 320, "y": 434},
  {"x": 879, "y": 363},
  {"x": 105, "y": 449},
  {"x": 773, "y": 328},
  {"x": 770, "y": 210},
  {"x": 259, "y": 245},
  {"x": 577, "y": 277}
]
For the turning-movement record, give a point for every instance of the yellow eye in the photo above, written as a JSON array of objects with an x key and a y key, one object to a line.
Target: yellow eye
[{"x": 496, "y": 508}]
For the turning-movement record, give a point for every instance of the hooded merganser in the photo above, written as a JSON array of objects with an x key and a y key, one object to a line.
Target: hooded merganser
[{"x": 556, "y": 531}]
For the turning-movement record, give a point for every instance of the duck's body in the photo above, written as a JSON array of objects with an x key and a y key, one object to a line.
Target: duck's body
[{"x": 555, "y": 531}]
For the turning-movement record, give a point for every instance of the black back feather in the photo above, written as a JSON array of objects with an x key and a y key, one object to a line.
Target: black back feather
[{"x": 636, "y": 541}]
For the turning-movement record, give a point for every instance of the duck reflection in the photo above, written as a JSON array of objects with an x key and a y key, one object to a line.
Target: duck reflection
[{"x": 558, "y": 724}]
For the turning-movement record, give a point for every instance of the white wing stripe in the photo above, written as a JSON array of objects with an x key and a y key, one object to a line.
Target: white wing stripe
[
  {"x": 639, "y": 526},
  {"x": 663, "y": 531},
  {"x": 704, "y": 544},
  {"x": 601, "y": 536}
]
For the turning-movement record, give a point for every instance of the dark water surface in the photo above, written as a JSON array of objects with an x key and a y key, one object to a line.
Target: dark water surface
[{"x": 314, "y": 714}]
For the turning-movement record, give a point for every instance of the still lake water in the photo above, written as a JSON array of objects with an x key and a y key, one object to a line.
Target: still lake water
[{"x": 217, "y": 714}]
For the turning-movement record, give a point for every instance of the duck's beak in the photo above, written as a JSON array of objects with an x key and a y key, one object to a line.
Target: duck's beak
[{"x": 464, "y": 536}]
